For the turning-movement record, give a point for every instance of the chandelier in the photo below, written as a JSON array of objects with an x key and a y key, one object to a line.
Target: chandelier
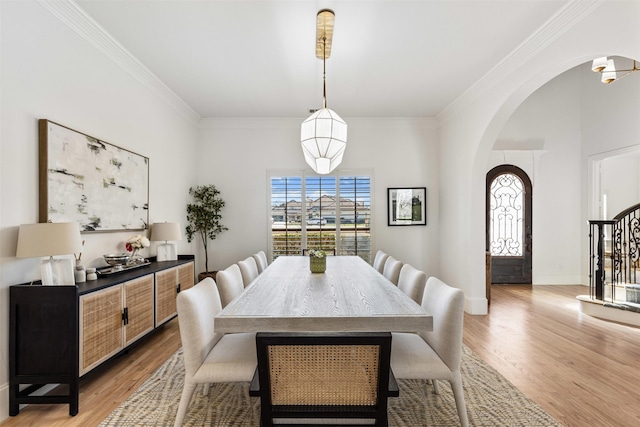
[
  {"x": 607, "y": 67},
  {"x": 323, "y": 134}
]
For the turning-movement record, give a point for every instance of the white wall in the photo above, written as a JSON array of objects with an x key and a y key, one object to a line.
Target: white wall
[
  {"x": 549, "y": 123},
  {"x": 49, "y": 71},
  {"x": 620, "y": 183},
  {"x": 236, "y": 156},
  {"x": 470, "y": 126}
]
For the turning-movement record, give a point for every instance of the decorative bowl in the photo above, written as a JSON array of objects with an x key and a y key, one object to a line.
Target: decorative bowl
[{"x": 116, "y": 260}]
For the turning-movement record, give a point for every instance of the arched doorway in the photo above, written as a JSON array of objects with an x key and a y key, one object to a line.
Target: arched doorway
[{"x": 508, "y": 224}]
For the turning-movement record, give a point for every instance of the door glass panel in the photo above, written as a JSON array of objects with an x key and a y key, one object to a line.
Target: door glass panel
[{"x": 506, "y": 212}]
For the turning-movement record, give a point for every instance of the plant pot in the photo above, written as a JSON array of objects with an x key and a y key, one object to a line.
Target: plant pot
[
  {"x": 317, "y": 265},
  {"x": 205, "y": 274}
]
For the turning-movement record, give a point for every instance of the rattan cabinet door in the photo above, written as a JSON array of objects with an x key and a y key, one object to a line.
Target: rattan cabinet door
[
  {"x": 186, "y": 276},
  {"x": 138, "y": 303},
  {"x": 166, "y": 292},
  {"x": 100, "y": 326}
]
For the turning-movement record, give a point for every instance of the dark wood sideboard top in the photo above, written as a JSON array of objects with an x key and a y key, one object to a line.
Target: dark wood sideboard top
[{"x": 116, "y": 278}]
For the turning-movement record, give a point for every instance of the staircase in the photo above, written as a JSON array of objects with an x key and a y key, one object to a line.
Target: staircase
[{"x": 614, "y": 270}]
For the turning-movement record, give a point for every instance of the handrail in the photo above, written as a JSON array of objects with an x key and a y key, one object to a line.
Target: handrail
[{"x": 626, "y": 212}]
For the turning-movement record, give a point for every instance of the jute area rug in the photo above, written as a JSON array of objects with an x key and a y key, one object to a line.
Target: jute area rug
[{"x": 491, "y": 401}]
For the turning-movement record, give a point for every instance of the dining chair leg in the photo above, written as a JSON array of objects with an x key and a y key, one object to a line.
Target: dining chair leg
[
  {"x": 205, "y": 391},
  {"x": 436, "y": 387},
  {"x": 185, "y": 399},
  {"x": 458, "y": 394}
]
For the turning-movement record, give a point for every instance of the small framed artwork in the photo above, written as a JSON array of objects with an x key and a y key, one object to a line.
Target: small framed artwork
[{"x": 407, "y": 206}]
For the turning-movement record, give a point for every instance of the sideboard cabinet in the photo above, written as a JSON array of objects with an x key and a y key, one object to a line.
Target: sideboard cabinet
[
  {"x": 113, "y": 318},
  {"x": 169, "y": 283},
  {"x": 59, "y": 333}
]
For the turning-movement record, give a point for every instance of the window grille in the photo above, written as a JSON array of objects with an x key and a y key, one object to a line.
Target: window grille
[
  {"x": 506, "y": 215},
  {"x": 330, "y": 212}
]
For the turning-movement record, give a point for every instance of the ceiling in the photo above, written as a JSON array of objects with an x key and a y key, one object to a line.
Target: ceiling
[{"x": 242, "y": 58}]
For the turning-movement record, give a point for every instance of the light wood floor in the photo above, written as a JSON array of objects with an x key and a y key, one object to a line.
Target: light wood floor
[
  {"x": 104, "y": 388},
  {"x": 582, "y": 371}
]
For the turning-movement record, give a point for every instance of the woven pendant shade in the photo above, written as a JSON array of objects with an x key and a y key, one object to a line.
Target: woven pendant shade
[{"x": 323, "y": 137}]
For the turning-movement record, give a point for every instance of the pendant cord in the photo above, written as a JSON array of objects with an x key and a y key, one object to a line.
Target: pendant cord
[{"x": 324, "y": 71}]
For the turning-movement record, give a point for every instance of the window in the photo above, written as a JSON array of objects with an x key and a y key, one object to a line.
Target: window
[{"x": 328, "y": 212}]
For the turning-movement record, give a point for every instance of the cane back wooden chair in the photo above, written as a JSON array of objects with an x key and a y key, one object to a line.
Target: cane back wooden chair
[{"x": 323, "y": 378}]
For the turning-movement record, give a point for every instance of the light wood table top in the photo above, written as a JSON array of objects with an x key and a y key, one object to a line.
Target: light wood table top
[{"x": 351, "y": 296}]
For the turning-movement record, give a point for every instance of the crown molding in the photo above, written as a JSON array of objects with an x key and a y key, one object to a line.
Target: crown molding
[
  {"x": 84, "y": 25},
  {"x": 562, "y": 21},
  {"x": 290, "y": 122}
]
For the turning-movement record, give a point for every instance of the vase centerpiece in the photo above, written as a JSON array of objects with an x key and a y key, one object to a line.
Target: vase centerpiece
[
  {"x": 134, "y": 245},
  {"x": 317, "y": 260}
]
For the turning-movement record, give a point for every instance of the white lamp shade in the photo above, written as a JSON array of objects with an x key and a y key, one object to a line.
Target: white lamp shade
[
  {"x": 609, "y": 74},
  {"x": 167, "y": 231},
  {"x": 48, "y": 239},
  {"x": 323, "y": 136},
  {"x": 599, "y": 64}
]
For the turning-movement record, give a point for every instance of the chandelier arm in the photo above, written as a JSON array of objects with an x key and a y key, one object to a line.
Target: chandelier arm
[
  {"x": 626, "y": 73},
  {"x": 631, "y": 70}
]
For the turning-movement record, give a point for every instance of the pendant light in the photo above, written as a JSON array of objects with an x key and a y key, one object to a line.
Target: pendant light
[
  {"x": 323, "y": 135},
  {"x": 607, "y": 67}
]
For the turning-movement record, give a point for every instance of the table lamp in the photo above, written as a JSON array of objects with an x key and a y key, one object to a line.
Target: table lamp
[
  {"x": 166, "y": 231},
  {"x": 46, "y": 240}
]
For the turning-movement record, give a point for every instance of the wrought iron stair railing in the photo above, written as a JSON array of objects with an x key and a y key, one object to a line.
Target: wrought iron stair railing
[{"x": 614, "y": 253}]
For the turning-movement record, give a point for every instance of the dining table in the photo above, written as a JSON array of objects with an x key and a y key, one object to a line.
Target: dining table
[{"x": 350, "y": 296}]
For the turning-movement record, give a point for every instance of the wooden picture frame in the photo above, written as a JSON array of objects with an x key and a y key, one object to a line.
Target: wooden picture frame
[
  {"x": 99, "y": 185},
  {"x": 406, "y": 206}
]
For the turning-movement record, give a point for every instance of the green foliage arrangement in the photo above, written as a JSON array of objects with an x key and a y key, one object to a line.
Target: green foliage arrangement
[
  {"x": 204, "y": 217},
  {"x": 318, "y": 253}
]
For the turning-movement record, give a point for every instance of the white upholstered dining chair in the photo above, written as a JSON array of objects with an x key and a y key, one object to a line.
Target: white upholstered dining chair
[
  {"x": 392, "y": 269},
  {"x": 261, "y": 261},
  {"x": 435, "y": 355},
  {"x": 379, "y": 260},
  {"x": 230, "y": 284},
  {"x": 209, "y": 357},
  {"x": 249, "y": 270},
  {"x": 411, "y": 281}
]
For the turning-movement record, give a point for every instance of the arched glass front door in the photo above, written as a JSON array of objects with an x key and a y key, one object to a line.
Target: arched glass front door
[{"x": 509, "y": 224}]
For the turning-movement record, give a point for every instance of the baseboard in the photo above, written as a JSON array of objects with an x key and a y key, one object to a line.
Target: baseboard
[
  {"x": 4, "y": 402},
  {"x": 554, "y": 279},
  {"x": 477, "y": 306}
]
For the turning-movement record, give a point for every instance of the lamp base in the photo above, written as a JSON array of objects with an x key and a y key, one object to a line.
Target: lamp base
[
  {"x": 167, "y": 252},
  {"x": 57, "y": 272}
]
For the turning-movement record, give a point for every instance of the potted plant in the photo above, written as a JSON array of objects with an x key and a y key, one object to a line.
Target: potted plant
[
  {"x": 317, "y": 260},
  {"x": 204, "y": 219}
]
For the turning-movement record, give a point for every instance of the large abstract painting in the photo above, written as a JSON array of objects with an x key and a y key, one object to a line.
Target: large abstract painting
[{"x": 99, "y": 185}]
